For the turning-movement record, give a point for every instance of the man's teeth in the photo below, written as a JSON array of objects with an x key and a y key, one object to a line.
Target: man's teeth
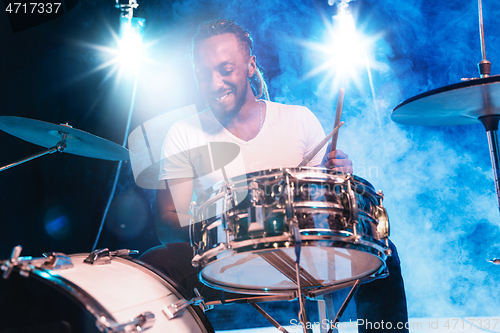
[{"x": 222, "y": 97}]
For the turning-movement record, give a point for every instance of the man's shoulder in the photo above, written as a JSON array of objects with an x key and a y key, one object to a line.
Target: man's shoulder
[{"x": 290, "y": 109}]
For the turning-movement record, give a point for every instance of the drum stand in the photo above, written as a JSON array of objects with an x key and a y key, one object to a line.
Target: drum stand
[
  {"x": 60, "y": 146},
  {"x": 325, "y": 306},
  {"x": 306, "y": 287},
  {"x": 283, "y": 263}
]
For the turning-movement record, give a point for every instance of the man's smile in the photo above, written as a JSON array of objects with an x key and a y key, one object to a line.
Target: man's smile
[{"x": 223, "y": 97}]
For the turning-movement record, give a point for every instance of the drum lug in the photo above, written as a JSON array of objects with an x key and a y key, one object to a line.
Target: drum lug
[
  {"x": 383, "y": 227},
  {"x": 52, "y": 261},
  {"x": 353, "y": 207},
  {"x": 140, "y": 323},
  {"x": 256, "y": 219},
  {"x": 381, "y": 194},
  {"x": 8, "y": 265},
  {"x": 57, "y": 261},
  {"x": 177, "y": 309},
  {"x": 103, "y": 256},
  {"x": 255, "y": 211},
  {"x": 199, "y": 258}
]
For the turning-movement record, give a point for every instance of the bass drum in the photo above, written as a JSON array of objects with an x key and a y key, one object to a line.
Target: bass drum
[{"x": 94, "y": 298}]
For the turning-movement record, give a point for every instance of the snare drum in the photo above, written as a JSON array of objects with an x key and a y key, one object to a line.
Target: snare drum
[
  {"x": 113, "y": 295},
  {"x": 245, "y": 242}
]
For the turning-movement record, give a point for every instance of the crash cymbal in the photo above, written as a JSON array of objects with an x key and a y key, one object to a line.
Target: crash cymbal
[
  {"x": 457, "y": 104},
  {"x": 77, "y": 142}
]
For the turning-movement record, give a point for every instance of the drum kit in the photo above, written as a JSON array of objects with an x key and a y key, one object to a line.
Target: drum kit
[
  {"x": 334, "y": 222},
  {"x": 289, "y": 233}
]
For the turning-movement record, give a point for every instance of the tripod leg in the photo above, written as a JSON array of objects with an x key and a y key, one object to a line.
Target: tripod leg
[
  {"x": 344, "y": 305},
  {"x": 268, "y": 317}
]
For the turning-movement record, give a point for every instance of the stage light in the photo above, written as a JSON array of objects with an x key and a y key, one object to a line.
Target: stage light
[
  {"x": 130, "y": 43},
  {"x": 130, "y": 46},
  {"x": 347, "y": 50},
  {"x": 343, "y": 53}
]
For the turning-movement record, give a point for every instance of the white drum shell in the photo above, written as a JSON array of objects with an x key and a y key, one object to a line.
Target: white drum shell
[
  {"x": 127, "y": 289},
  {"x": 94, "y": 297}
]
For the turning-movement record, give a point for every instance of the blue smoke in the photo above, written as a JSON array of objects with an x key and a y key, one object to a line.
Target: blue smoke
[{"x": 437, "y": 181}]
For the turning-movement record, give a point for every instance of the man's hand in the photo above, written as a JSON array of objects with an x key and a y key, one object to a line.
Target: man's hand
[{"x": 337, "y": 160}]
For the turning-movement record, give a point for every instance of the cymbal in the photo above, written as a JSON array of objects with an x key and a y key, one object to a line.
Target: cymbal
[
  {"x": 457, "y": 104},
  {"x": 77, "y": 142}
]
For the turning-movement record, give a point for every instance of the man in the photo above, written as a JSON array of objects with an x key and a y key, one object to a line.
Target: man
[{"x": 268, "y": 135}]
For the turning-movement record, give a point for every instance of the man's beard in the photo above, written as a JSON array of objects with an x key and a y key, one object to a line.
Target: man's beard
[
  {"x": 241, "y": 100},
  {"x": 238, "y": 102}
]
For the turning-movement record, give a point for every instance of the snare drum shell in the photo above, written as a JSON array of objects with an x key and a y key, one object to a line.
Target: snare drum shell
[{"x": 337, "y": 220}]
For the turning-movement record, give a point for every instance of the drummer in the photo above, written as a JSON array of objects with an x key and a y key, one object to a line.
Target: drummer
[{"x": 261, "y": 135}]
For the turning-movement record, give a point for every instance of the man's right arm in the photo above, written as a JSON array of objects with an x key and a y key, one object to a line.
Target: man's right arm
[{"x": 172, "y": 205}]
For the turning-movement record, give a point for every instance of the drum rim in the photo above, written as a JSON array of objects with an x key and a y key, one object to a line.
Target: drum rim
[
  {"x": 380, "y": 272},
  {"x": 309, "y": 235},
  {"x": 78, "y": 295},
  {"x": 218, "y": 188}
]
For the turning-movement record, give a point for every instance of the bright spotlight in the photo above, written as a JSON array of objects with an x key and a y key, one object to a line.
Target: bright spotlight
[
  {"x": 347, "y": 50},
  {"x": 343, "y": 52},
  {"x": 130, "y": 43}
]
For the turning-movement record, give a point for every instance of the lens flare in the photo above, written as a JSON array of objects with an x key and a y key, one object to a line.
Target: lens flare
[{"x": 343, "y": 53}]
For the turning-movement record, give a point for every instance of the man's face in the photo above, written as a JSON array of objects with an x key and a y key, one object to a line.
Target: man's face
[{"x": 222, "y": 69}]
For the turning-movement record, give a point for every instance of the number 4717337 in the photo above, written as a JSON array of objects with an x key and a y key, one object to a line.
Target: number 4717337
[{"x": 33, "y": 7}]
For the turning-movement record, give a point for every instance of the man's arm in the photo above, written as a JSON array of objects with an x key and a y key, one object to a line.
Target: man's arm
[{"x": 172, "y": 205}]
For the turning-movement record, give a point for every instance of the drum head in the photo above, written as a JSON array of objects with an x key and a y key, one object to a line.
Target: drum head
[{"x": 249, "y": 272}]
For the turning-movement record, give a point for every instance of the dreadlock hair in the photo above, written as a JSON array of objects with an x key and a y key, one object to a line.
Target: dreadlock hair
[{"x": 221, "y": 26}]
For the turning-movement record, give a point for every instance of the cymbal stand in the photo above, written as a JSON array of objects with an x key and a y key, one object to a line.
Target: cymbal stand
[
  {"x": 60, "y": 146},
  {"x": 489, "y": 122},
  {"x": 484, "y": 66}
]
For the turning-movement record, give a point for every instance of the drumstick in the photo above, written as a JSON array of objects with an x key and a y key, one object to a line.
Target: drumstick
[
  {"x": 338, "y": 114},
  {"x": 320, "y": 145}
]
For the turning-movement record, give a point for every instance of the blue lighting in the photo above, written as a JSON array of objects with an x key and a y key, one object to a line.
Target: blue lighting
[{"x": 57, "y": 224}]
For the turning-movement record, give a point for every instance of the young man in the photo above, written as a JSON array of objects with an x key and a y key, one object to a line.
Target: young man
[{"x": 260, "y": 134}]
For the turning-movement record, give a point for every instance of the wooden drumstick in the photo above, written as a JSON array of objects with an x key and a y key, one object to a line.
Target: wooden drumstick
[
  {"x": 338, "y": 114},
  {"x": 320, "y": 145}
]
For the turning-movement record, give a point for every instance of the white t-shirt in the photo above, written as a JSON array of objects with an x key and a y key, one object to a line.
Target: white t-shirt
[{"x": 199, "y": 147}]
